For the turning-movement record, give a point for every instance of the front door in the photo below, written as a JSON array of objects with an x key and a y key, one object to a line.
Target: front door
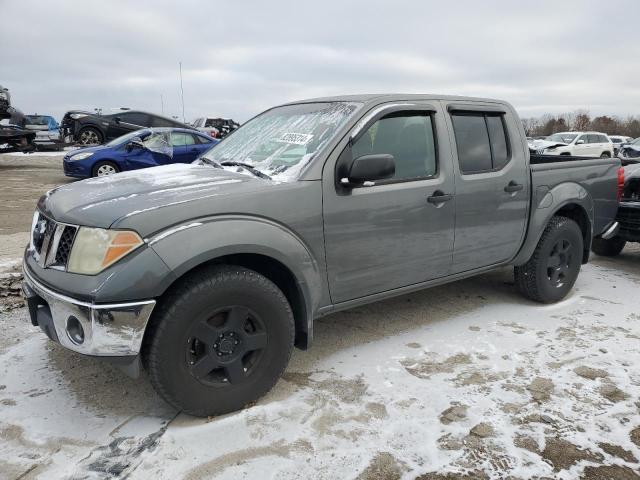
[
  {"x": 390, "y": 234},
  {"x": 157, "y": 151},
  {"x": 492, "y": 187}
]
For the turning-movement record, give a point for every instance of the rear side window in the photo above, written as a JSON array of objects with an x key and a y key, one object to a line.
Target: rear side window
[
  {"x": 161, "y": 122},
  {"x": 135, "y": 118},
  {"x": 178, "y": 139},
  {"x": 481, "y": 141},
  {"x": 498, "y": 139}
]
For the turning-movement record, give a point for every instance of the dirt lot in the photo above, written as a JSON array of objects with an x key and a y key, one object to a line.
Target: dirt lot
[
  {"x": 464, "y": 381},
  {"x": 23, "y": 178}
]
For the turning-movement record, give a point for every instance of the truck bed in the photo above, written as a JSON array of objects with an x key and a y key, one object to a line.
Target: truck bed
[{"x": 596, "y": 176}]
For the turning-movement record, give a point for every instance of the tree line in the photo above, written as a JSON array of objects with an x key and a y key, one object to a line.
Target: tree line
[{"x": 580, "y": 120}]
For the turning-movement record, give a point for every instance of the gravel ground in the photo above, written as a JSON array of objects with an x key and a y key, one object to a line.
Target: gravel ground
[
  {"x": 464, "y": 381},
  {"x": 23, "y": 178}
]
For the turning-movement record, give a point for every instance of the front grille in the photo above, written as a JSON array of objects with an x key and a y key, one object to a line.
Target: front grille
[
  {"x": 52, "y": 242},
  {"x": 65, "y": 244}
]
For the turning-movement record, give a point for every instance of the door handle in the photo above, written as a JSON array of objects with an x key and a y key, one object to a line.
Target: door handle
[
  {"x": 439, "y": 197},
  {"x": 513, "y": 187}
]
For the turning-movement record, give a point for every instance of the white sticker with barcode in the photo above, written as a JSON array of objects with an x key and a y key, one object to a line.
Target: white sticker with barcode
[{"x": 295, "y": 138}]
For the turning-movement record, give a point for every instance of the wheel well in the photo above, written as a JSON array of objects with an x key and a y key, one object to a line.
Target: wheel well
[
  {"x": 279, "y": 274},
  {"x": 578, "y": 215}
]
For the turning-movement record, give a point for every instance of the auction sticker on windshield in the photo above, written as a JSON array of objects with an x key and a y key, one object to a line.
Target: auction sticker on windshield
[{"x": 295, "y": 138}]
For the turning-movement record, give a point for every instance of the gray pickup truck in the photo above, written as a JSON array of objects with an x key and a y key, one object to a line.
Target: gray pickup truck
[{"x": 208, "y": 274}]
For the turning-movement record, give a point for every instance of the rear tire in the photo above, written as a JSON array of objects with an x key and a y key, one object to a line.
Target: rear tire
[
  {"x": 553, "y": 268},
  {"x": 90, "y": 136},
  {"x": 104, "y": 168},
  {"x": 608, "y": 248},
  {"x": 219, "y": 340}
]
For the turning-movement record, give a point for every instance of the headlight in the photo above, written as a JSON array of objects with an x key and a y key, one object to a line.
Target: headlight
[
  {"x": 3, "y": 95},
  {"x": 80, "y": 156},
  {"x": 76, "y": 116},
  {"x": 94, "y": 249}
]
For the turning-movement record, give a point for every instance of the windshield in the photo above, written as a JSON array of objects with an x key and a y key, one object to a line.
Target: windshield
[
  {"x": 636, "y": 141},
  {"x": 37, "y": 119},
  {"x": 281, "y": 141},
  {"x": 562, "y": 137},
  {"x": 129, "y": 136}
]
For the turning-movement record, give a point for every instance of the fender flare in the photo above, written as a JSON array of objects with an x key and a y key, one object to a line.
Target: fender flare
[
  {"x": 192, "y": 243},
  {"x": 548, "y": 202}
]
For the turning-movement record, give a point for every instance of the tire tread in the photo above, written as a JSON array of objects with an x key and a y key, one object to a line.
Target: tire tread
[
  {"x": 526, "y": 276},
  {"x": 167, "y": 312}
]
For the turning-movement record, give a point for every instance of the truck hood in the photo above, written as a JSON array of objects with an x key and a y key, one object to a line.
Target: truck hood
[{"x": 102, "y": 202}]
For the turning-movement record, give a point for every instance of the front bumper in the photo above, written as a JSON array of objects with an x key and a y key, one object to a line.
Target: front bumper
[
  {"x": 106, "y": 330},
  {"x": 75, "y": 169},
  {"x": 629, "y": 219}
]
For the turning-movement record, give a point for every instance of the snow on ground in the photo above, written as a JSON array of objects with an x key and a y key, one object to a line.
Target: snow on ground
[
  {"x": 41, "y": 153},
  {"x": 467, "y": 378}
]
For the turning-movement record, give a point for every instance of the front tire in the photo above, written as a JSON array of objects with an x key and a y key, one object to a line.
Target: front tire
[
  {"x": 104, "y": 168},
  {"x": 219, "y": 340},
  {"x": 608, "y": 248},
  {"x": 605, "y": 155},
  {"x": 553, "y": 268}
]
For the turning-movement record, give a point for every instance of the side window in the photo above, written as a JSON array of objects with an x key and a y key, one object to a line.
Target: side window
[
  {"x": 472, "y": 141},
  {"x": 498, "y": 138},
  {"x": 584, "y": 138},
  {"x": 161, "y": 122},
  {"x": 179, "y": 139},
  {"x": 135, "y": 118},
  {"x": 201, "y": 139},
  {"x": 603, "y": 139},
  {"x": 409, "y": 137}
]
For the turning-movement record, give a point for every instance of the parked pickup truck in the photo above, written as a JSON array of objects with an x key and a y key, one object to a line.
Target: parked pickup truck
[
  {"x": 208, "y": 274},
  {"x": 628, "y": 217}
]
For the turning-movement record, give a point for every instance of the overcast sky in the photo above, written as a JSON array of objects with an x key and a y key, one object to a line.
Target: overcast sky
[{"x": 240, "y": 57}]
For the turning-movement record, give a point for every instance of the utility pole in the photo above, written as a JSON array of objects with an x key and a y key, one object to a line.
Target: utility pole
[
  {"x": 162, "y": 104},
  {"x": 182, "y": 94}
]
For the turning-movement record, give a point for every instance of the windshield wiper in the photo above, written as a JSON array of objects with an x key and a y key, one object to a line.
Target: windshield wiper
[
  {"x": 208, "y": 161},
  {"x": 246, "y": 166}
]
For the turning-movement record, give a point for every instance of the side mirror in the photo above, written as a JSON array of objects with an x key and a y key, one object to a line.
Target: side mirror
[
  {"x": 579, "y": 142},
  {"x": 365, "y": 170},
  {"x": 135, "y": 143}
]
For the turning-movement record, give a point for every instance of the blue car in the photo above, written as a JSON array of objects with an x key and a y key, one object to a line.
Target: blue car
[{"x": 144, "y": 148}]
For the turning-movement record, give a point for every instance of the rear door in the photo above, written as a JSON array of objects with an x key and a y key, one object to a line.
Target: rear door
[
  {"x": 389, "y": 235},
  {"x": 604, "y": 145},
  {"x": 492, "y": 184},
  {"x": 584, "y": 148},
  {"x": 127, "y": 122},
  {"x": 186, "y": 147}
]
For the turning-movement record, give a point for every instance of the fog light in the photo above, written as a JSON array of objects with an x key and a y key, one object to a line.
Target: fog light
[{"x": 75, "y": 332}]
